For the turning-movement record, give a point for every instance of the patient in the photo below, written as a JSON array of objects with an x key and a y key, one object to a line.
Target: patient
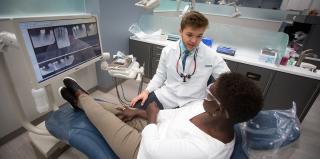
[{"x": 204, "y": 129}]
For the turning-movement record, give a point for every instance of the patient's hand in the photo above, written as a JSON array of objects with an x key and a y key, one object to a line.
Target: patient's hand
[
  {"x": 142, "y": 96},
  {"x": 125, "y": 113},
  {"x": 152, "y": 112}
]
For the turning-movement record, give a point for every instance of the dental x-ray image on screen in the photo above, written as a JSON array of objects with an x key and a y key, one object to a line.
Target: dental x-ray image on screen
[
  {"x": 57, "y": 46},
  {"x": 42, "y": 37},
  {"x": 92, "y": 29},
  {"x": 62, "y": 37},
  {"x": 79, "y": 31}
]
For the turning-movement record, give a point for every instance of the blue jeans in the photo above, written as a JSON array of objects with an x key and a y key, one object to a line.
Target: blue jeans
[{"x": 151, "y": 98}]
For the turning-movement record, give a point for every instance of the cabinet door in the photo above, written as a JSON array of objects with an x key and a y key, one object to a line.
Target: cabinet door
[
  {"x": 142, "y": 51},
  {"x": 155, "y": 57},
  {"x": 286, "y": 88},
  {"x": 232, "y": 65},
  {"x": 261, "y": 76}
]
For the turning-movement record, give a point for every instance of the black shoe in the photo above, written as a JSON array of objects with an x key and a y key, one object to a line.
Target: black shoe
[
  {"x": 72, "y": 85},
  {"x": 69, "y": 97}
]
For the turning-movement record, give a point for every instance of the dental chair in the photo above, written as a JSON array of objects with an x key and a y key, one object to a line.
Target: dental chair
[{"x": 269, "y": 130}]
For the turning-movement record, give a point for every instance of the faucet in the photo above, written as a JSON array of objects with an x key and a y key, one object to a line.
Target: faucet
[{"x": 303, "y": 54}]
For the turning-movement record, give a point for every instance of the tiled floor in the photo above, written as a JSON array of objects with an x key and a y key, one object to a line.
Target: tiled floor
[{"x": 307, "y": 147}]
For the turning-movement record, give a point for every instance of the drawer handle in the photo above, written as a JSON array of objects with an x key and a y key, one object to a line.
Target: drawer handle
[{"x": 253, "y": 76}]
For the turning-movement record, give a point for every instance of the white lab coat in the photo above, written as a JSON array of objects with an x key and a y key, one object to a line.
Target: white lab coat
[
  {"x": 175, "y": 137},
  {"x": 169, "y": 86}
]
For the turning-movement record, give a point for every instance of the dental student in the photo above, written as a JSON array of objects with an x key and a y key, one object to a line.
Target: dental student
[{"x": 184, "y": 68}]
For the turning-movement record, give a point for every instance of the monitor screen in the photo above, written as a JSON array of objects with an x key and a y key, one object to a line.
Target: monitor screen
[{"x": 55, "y": 46}]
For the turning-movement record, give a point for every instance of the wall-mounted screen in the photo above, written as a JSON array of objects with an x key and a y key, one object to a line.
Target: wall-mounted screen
[{"x": 55, "y": 46}]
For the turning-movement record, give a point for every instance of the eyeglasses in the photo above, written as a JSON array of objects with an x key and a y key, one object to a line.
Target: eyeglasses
[{"x": 210, "y": 97}]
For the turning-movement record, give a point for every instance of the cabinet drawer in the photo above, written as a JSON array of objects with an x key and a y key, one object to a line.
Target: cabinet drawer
[
  {"x": 286, "y": 88},
  {"x": 261, "y": 76},
  {"x": 155, "y": 64},
  {"x": 232, "y": 65},
  {"x": 156, "y": 51},
  {"x": 141, "y": 51},
  {"x": 154, "y": 67}
]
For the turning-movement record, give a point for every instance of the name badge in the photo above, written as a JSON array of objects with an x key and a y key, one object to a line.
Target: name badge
[{"x": 207, "y": 65}]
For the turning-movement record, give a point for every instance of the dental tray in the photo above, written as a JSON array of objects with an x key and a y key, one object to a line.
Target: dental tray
[{"x": 226, "y": 50}]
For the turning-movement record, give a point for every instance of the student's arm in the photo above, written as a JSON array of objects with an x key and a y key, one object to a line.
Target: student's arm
[{"x": 219, "y": 67}]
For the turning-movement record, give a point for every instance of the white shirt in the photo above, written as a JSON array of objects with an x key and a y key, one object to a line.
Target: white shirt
[
  {"x": 175, "y": 137},
  {"x": 169, "y": 86}
]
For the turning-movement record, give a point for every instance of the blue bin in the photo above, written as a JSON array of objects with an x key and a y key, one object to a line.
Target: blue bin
[{"x": 207, "y": 41}]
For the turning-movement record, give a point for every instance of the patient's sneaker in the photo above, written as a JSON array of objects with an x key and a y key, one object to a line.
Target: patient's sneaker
[
  {"x": 72, "y": 85},
  {"x": 69, "y": 97}
]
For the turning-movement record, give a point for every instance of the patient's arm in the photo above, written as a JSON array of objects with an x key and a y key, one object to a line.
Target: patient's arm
[
  {"x": 152, "y": 112},
  {"x": 127, "y": 114},
  {"x": 141, "y": 113}
]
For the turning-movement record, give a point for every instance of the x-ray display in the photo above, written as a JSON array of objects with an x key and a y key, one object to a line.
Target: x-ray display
[{"x": 57, "y": 46}]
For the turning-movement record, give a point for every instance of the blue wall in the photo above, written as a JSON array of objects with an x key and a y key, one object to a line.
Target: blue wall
[{"x": 116, "y": 16}]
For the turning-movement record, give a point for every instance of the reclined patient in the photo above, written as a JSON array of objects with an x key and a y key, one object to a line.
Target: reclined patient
[{"x": 203, "y": 129}]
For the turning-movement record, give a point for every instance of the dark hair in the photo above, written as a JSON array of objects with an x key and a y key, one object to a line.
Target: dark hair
[
  {"x": 240, "y": 96},
  {"x": 194, "y": 19}
]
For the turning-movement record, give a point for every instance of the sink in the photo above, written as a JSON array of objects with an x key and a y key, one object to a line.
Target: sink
[
  {"x": 308, "y": 66},
  {"x": 304, "y": 67}
]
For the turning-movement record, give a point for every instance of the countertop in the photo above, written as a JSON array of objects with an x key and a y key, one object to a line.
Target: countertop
[{"x": 250, "y": 57}]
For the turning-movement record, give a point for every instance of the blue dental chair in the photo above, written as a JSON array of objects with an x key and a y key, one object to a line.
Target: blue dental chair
[{"x": 74, "y": 128}]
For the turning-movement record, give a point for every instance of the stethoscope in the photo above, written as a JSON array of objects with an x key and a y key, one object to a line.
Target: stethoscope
[{"x": 187, "y": 76}]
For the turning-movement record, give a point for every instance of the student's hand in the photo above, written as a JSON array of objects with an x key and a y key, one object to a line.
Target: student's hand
[
  {"x": 142, "y": 96},
  {"x": 125, "y": 113},
  {"x": 152, "y": 112}
]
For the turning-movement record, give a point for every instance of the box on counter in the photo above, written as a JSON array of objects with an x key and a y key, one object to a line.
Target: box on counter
[{"x": 268, "y": 55}]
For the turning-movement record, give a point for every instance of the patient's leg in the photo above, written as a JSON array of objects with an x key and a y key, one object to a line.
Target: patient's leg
[
  {"x": 110, "y": 107},
  {"x": 123, "y": 139}
]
